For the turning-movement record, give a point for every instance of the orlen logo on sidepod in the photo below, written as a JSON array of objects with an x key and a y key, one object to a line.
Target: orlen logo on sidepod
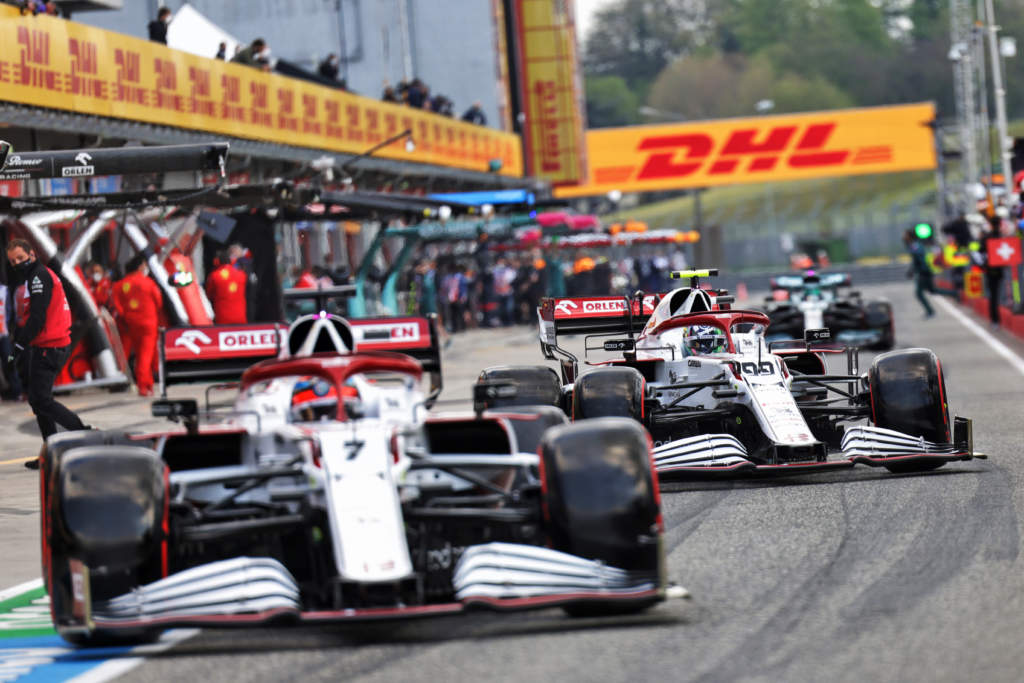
[{"x": 676, "y": 156}]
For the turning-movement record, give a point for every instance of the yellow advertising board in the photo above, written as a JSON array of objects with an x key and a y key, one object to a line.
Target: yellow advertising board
[
  {"x": 758, "y": 149},
  {"x": 549, "y": 90},
  {"x": 50, "y": 62}
]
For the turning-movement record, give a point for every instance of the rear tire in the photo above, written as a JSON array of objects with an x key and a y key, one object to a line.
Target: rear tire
[
  {"x": 609, "y": 392},
  {"x": 602, "y": 503},
  {"x": 908, "y": 394},
  {"x": 536, "y": 385}
]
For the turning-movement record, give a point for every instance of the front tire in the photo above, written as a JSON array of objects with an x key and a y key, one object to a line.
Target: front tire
[
  {"x": 908, "y": 394},
  {"x": 103, "y": 502},
  {"x": 602, "y": 502}
]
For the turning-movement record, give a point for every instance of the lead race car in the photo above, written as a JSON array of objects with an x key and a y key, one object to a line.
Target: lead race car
[
  {"x": 326, "y": 493},
  {"x": 814, "y": 301},
  {"x": 718, "y": 400}
]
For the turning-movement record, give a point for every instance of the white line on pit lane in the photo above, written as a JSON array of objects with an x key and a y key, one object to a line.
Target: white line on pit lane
[
  {"x": 993, "y": 343},
  {"x": 15, "y": 591},
  {"x": 113, "y": 668}
]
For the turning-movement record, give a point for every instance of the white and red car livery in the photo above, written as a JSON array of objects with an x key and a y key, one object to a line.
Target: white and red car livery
[{"x": 747, "y": 406}]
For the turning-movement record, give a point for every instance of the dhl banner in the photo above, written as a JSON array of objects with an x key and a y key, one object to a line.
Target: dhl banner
[
  {"x": 761, "y": 149},
  {"x": 50, "y": 62},
  {"x": 549, "y": 90}
]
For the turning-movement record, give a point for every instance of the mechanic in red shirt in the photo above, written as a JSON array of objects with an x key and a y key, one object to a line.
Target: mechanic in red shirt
[
  {"x": 137, "y": 303},
  {"x": 226, "y": 288},
  {"x": 99, "y": 284},
  {"x": 42, "y": 340}
]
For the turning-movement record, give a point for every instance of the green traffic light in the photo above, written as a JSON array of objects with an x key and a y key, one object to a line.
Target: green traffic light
[{"x": 923, "y": 231}]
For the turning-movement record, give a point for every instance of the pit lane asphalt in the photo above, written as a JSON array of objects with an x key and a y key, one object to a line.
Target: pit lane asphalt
[{"x": 848, "y": 576}]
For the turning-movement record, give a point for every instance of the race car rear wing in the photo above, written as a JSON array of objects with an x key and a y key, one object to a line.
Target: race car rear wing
[
  {"x": 602, "y": 315},
  {"x": 223, "y": 352}
]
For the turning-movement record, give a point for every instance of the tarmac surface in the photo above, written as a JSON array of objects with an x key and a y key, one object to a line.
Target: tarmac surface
[{"x": 848, "y": 576}]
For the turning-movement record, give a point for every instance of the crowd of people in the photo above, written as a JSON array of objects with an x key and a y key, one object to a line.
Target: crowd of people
[
  {"x": 503, "y": 288},
  {"x": 962, "y": 245},
  {"x": 38, "y": 7},
  {"x": 416, "y": 94}
]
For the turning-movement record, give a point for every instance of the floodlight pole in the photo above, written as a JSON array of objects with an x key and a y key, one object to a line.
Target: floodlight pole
[{"x": 1000, "y": 92}]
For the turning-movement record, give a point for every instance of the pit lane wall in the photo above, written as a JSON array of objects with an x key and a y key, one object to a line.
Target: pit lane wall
[{"x": 54, "y": 63}]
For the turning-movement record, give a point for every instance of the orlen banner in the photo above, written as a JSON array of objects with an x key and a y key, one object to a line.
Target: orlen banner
[
  {"x": 549, "y": 90},
  {"x": 59, "y": 64},
  {"x": 760, "y": 149}
]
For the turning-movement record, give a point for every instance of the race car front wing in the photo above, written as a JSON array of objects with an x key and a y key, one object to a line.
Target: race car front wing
[
  {"x": 723, "y": 454},
  {"x": 254, "y": 590}
]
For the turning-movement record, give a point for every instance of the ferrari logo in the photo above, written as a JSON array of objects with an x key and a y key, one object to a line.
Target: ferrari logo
[
  {"x": 126, "y": 287},
  {"x": 133, "y": 304},
  {"x": 233, "y": 287}
]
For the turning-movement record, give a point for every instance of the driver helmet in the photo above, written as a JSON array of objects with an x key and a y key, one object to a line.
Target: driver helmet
[{"x": 704, "y": 339}]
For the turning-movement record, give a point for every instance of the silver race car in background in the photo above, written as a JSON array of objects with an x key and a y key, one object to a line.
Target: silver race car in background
[{"x": 814, "y": 301}]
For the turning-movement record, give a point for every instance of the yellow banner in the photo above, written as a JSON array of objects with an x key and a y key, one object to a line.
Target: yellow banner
[
  {"x": 51, "y": 62},
  {"x": 549, "y": 90},
  {"x": 759, "y": 149}
]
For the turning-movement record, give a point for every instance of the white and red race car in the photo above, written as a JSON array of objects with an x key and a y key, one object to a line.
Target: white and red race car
[
  {"x": 326, "y": 493},
  {"x": 718, "y": 400}
]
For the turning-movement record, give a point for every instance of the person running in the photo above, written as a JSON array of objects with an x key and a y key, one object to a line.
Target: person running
[{"x": 921, "y": 271}]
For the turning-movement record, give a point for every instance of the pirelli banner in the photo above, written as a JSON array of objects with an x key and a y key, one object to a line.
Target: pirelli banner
[
  {"x": 549, "y": 90},
  {"x": 760, "y": 149},
  {"x": 59, "y": 64}
]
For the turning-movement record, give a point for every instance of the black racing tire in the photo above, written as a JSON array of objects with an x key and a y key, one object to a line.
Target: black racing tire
[
  {"x": 879, "y": 316},
  {"x": 601, "y": 501},
  {"x": 536, "y": 385},
  {"x": 70, "y": 450},
  {"x": 908, "y": 394},
  {"x": 609, "y": 392}
]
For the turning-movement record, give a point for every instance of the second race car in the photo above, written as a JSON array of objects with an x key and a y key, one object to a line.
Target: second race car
[
  {"x": 815, "y": 301},
  {"x": 718, "y": 399}
]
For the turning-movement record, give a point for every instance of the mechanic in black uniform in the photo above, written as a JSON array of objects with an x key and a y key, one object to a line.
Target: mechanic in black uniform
[
  {"x": 42, "y": 339},
  {"x": 921, "y": 271}
]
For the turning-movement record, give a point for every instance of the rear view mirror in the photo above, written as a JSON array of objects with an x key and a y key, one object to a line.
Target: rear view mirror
[
  {"x": 485, "y": 393},
  {"x": 185, "y": 410},
  {"x": 813, "y": 336},
  {"x": 619, "y": 345}
]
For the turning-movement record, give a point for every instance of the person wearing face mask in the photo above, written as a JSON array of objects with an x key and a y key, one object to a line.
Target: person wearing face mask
[
  {"x": 158, "y": 27},
  {"x": 99, "y": 285},
  {"x": 137, "y": 303},
  {"x": 42, "y": 339}
]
